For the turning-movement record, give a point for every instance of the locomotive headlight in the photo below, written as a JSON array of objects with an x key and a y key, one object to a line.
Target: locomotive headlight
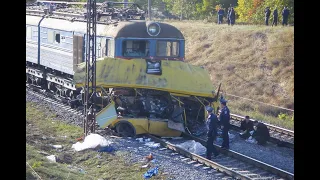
[{"x": 153, "y": 29}]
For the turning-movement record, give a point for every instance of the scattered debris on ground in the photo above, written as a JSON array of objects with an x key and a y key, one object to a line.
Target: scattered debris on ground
[{"x": 51, "y": 152}]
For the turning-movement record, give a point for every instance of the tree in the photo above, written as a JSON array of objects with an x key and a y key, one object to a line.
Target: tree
[
  {"x": 253, "y": 10},
  {"x": 244, "y": 10},
  {"x": 279, "y": 4},
  {"x": 226, "y": 3}
]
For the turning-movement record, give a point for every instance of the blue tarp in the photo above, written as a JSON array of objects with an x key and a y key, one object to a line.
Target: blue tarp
[{"x": 151, "y": 172}]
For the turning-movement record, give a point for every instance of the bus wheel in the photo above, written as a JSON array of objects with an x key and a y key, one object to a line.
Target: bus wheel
[{"x": 125, "y": 130}]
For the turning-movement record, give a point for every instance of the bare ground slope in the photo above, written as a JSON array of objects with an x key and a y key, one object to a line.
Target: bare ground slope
[{"x": 256, "y": 62}]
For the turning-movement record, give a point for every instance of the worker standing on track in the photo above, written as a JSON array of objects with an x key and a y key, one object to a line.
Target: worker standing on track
[
  {"x": 225, "y": 123},
  {"x": 246, "y": 127},
  {"x": 212, "y": 126}
]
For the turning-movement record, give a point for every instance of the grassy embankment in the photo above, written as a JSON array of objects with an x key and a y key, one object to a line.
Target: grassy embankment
[
  {"x": 42, "y": 130},
  {"x": 251, "y": 61}
]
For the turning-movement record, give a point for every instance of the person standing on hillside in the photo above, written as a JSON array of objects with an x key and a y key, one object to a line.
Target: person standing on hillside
[
  {"x": 212, "y": 126},
  {"x": 220, "y": 15},
  {"x": 275, "y": 17},
  {"x": 232, "y": 16},
  {"x": 285, "y": 16},
  {"x": 225, "y": 123},
  {"x": 267, "y": 14},
  {"x": 228, "y": 12}
]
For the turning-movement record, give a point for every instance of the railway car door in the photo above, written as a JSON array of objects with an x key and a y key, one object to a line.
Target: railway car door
[{"x": 77, "y": 50}]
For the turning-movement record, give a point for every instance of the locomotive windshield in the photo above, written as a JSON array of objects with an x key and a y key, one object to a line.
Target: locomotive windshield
[
  {"x": 141, "y": 48},
  {"x": 135, "y": 48},
  {"x": 167, "y": 48}
]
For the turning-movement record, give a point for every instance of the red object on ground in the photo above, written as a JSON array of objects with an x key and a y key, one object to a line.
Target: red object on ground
[
  {"x": 149, "y": 157},
  {"x": 80, "y": 138}
]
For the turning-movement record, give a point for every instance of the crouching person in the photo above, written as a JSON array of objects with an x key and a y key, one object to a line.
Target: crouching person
[
  {"x": 246, "y": 127},
  {"x": 261, "y": 133}
]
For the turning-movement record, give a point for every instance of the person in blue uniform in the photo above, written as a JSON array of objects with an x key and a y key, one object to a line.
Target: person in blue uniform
[
  {"x": 228, "y": 12},
  {"x": 267, "y": 14},
  {"x": 285, "y": 16},
  {"x": 275, "y": 17},
  {"x": 212, "y": 125},
  {"x": 220, "y": 15},
  {"x": 232, "y": 16},
  {"x": 225, "y": 123}
]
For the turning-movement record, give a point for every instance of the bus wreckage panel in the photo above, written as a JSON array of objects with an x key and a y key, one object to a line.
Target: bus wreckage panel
[{"x": 165, "y": 103}]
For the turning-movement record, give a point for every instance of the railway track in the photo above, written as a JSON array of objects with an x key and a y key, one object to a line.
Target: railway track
[
  {"x": 280, "y": 136},
  {"x": 51, "y": 99},
  {"x": 228, "y": 162}
]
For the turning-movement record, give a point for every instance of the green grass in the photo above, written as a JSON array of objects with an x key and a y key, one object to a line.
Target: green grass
[
  {"x": 39, "y": 124},
  {"x": 285, "y": 123}
]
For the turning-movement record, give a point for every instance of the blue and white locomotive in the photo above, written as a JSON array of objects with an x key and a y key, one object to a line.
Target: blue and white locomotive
[{"x": 55, "y": 43}]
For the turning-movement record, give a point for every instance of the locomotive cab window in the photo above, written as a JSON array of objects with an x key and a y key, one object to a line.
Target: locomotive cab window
[
  {"x": 135, "y": 48},
  {"x": 168, "y": 48}
]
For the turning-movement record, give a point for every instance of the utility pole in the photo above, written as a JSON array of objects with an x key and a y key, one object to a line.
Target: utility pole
[
  {"x": 149, "y": 9},
  {"x": 90, "y": 82},
  {"x": 126, "y": 4},
  {"x": 181, "y": 11}
]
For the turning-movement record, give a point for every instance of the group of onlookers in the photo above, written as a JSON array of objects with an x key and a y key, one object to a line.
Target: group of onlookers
[{"x": 231, "y": 17}]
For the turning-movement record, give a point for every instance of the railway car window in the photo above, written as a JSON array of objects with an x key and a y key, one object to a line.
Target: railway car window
[
  {"x": 50, "y": 36},
  {"x": 58, "y": 37},
  {"x": 167, "y": 48},
  {"x": 135, "y": 48},
  {"x": 99, "y": 49},
  {"x": 107, "y": 47},
  {"x": 29, "y": 32}
]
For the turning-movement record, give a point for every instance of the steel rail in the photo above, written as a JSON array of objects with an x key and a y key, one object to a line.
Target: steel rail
[
  {"x": 249, "y": 160},
  {"x": 199, "y": 159},
  {"x": 270, "y": 126}
]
